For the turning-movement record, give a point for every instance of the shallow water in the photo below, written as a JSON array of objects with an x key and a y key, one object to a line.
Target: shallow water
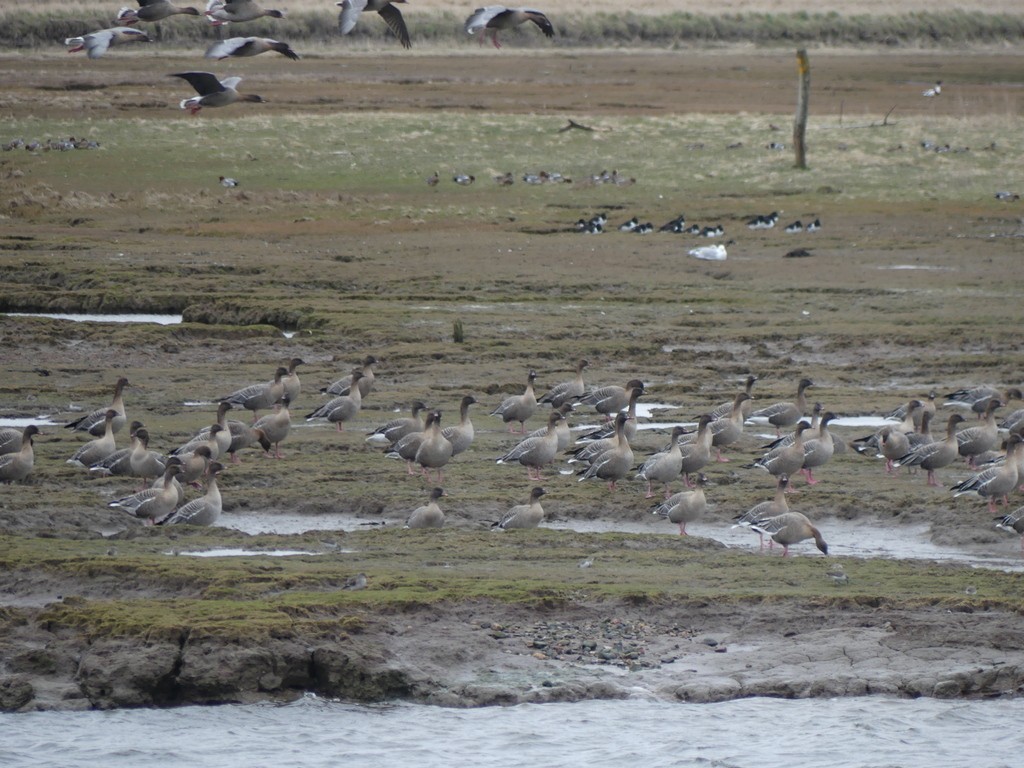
[
  {"x": 98, "y": 318},
  {"x": 20, "y": 422},
  {"x": 314, "y": 733}
]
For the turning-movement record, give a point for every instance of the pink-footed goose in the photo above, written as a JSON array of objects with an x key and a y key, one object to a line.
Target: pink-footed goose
[
  {"x": 17, "y": 465},
  {"x": 351, "y": 10},
  {"x": 686, "y": 506},
  {"x": 523, "y": 515},
  {"x": 94, "y": 423},
  {"x": 430, "y": 515},
  {"x": 495, "y": 18}
]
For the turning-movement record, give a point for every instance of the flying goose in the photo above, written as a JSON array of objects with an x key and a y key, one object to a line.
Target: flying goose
[
  {"x": 220, "y": 12},
  {"x": 429, "y": 515},
  {"x": 519, "y": 407},
  {"x": 153, "y": 10},
  {"x": 212, "y": 92},
  {"x": 686, "y": 506},
  {"x": 94, "y": 423},
  {"x": 523, "y": 515},
  {"x": 239, "y": 47},
  {"x": 498, "y": 17},
  {"x": 95, "y": 44},
  {"x": 352, "y": 9}
]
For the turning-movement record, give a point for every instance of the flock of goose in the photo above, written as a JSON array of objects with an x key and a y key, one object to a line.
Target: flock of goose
[
  {"x": 214, "y": 92},
  {"x": 604, "y": 454}
]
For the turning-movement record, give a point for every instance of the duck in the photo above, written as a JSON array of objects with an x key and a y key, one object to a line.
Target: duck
[
  {"x": 520, "y": 407},
  {"x": 984, "y": 437},
  {"x": 818, "y": 451},
  {"x": 766, "y": 509},
  {"x": 202, "y": 511},
  {"x": 351, "y": 10},
  {"x": 391, "y": 432},
  {"x": 153, "y": 503},
  {"x": 523, "y": 516},
  {"x": 119, "y": 462},
  {"x": 664, "y": 466},
  {"x": 429, "y": 515},
  {"x": 785, "y": 414},
  {"x": 763, "y": 221},
  {"x": 240, "y": 47},
  {"x": 212, "y": 92},
  {"x": 615, "y": 463},
  {"x": 15, "y": 466},
  {"x": 567, "y": 391},
  {"x": 995, "y": 481},
  {"x": 342, "y": 408},
  {"x": 220, "y": 12},
  {"x": 725, "y": 409},
  {"x": 95, "y": 44},
  {"x": 611, "y": 399},
  {"x": 433, "y": 179},
  {"x": 814, "y": 226},
  {"x": 366, "y": 381},
  {"x": 153, "y": 10},
  {"x": 933, "y": 456},
  {"x": 461, "y": 435},
  {"x": 674, "y": 225},
  {"x": 144, "y": 463},
  {"x": 535, "y": 453},
  {"x": 276, "y": 425},
  {"x": 497, "y": 17},
  {"x": 788, "y": 529},
  {"x": 258, "y": 397},
  {"x": 99, "y": 448},
  {"x": 435, "y": 450},
  {"x": 95, "y": 422},
  {"x": 630, "y": 225},
  {"x": 785, "y": 459},
  {"x": 686, "y": 506},
  {"x": 1014, "y": 523},
  {"x": 506, "y": 179}
]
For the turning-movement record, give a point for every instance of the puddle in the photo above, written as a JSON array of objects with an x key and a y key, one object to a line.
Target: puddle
[
  {"x": 20, "y": 422},
  {"x": 230, "y": 552},
  {"x": 285, "y": 524},
  {"x": 918, "y": 266},
  {"x": 83, "y": 318}
]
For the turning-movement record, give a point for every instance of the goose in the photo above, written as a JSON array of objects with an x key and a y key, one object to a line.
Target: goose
[
  {"x": 366, "y": 381},
  {"x": 608, "y": 430},
  {"x": 94, "y": 423},
  {"x": 927, "y": 406},
  {"x": 99, "y": 448},
  {"x": 258, "y": 397},
  {"x": 407, "y": 446},
  {"x": 152, "y": 503},
  {"x": 461, "y": 435},
  {"x": 212, "y": 92},
  {"x": 95, "y": 44},
  {"x": 923, "y": 434},
  {"x": 153, "y": 10},
  {"x": 562, "y": 428},
  {"x": 523, "y": 515},
  {"x": 786, "y": 459},
  {"x": 785, "y": 440},
  {"x": 818, "y": 451},
  {"x": 910, "y": 418},
  {"x": 202, "y": 511},
  {"x": 119, "y": 462},
  {"x": 895, "y": 445},
  {"x": 220, "y": 12},
  {"x": 391, "y": 432},
  {"x": 686, "y": 506},
  {"x": 290, "y": 380},
  {"x": 1014, "y": 523},
  {"x": 15, "y": 466},
  {"x": 980, "y": 406},
  {"x": 969, "y": 396},
  {"x": 567, "y": 391},
  {"x": 788, "y": 529},
  {"x": 243, "y": 436},
  {"x": 697, "y": 455},
  {"x": 611, "y": 399},
  {"x": 276, "y": 425},
  {"x": 766, "y": 509},
  {"x": 145, "y": 463},
  {"x": 351, "y": 10},
  {"x": 726, "y": 431},
  {"x": 535, "y": 453},
  {"x": 193, "y": 466},
  {"x": 995, "y": 481},
  {"x": 429, "y": 515},
  {"x": 498, "y": 17},
  {"x": 342, "y": 408},
  {"x": 239, "y": 47},
  {"x": 725, "y": 409},
  {"x": 785, "y": 414},
  {"x": 520, "y": 407},
  {"x": 1013, "y": 422},
  {"x": 936, "y": 455},
  {"x": 219, "y": 430},
  {"x": 665, "y": 466},
  {"x": 614, "y": 464},
  {"x": 979, "y": 439},
  {"x": 10, "y": 440},
  {"x": 435, "y": 450}
]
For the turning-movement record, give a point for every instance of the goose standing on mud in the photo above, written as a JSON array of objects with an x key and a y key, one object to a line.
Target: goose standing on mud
[
  {"x": 995, "y": 481},
  {"x": 145, "y": 464},
  {"x": 153, "y": 10},
  {"x": 366, "y": 381},
  {"x": 785, "y": 414},
  {"x": 773, "y": 508},
  {"x": 1014, "y": 523},
  {"x": 435, "y": 450},
  {"x": 119, "y": 462},
  {"x": 686, "y": 506},
  {"x": 220, "y": 12},
  {"x": 17, "y": 465},
  {"x": 982, "y": 438},
  {"x": 409, "y": 444},
  {"x": 523, "y": 516},
  {"x": 276, "y": 425},
  {"x": 238, "y": 47},
  {"x": 95, "y": 44},
  {"x": 788, "y": 529},
  {"x": 611, "y": 399},
  {"x": 819, "y": 450},
  {"x": 98, "y": 449},
  {"x": 519, "y": 407},
  {"x": 614, "y": 464},
  {"x": 342, "y": 408},
  {"x": 461, "y": 435},
  {"x": 153, "y": 503},
  {"x": 95, "y": 422},
  {"x": 723, "y": 410},
  {"x": 497, "y": 17},
  {"x": 391, "y": 432},
  {"x": 535, "y": 453},
  {"x": 202, "y": 511},
  {"x": 429, "y": 515},
  {"x": 258, "y": 397},
  {"x": 219, "y": 430},
  {"x": 212, "y": 92},
  {"x": 784, "y": 459},
  {"x": 352, "y": 9},
  {"x": 567, "y": 391},
  {"x": 663, "y": 467}
]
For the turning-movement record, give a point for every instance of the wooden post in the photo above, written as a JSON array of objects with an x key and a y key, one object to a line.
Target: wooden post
[{"x": 802, "y": 96}]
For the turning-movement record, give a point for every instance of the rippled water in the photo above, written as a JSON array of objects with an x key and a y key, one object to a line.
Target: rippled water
[{"x": 839, "y": 733}]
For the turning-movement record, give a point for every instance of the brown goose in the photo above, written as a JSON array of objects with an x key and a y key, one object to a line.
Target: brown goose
[
  {"x": 523, "y": 515},
  {"x": 936, "y": 455},
  {"x": 697, "y": 455},
  {"x": 258, "y": 397},
  {"x": 777, "y": 506},
  {"x": 818, "y": 451},
  {"x": 407, "y": 446},
  {"x": 725, "y": 432},
  {"x": 212, "y": 91},
  {"x": 611, "y": 399},
  {"x": 429, "y": 515},
  {"x": 785, "y": 414},
  {"x": 927, "y": 406},
  {"x": 202, "y": 511},
  {"x": 722, "y": 410},
  {"x": 16, "y": 466},
  {"x": 567, "y": 391},
  {"x": 290, "y": 381},
  {"x": 94, "y": 423},
  {"x": 98, "y": 449},
  {"x": 663, "y": 467},
  {"x": 152, "y": 503},
  {"x": 153, "y": 10},
  {"x": 520, "y": 407},
  {"x": 239, "y": 47},
  {"x": 390, "y": 433},
  {"x": 342, "y": 408},
  {"x": 221, "y": 13},
  {"x": 1014, "y": 523},
  {"x": 352, "y": 9},
  {"x": 498, "y": 17},
  {"x": 607, "y": 431},
  {"x": 995, "y": 481},
  {"x": 435, "y": 450},
  {"x": 146, "y": 464},
  {"x": 686, "y": 506},
  {"x": 461, "y": 435},
  {"x": 243, "y": 436},
  {"x": 119, "y": 462},
  {"x": 95, "y": 44},
  {"x": 366, "y": 381},
  {"x": 894, "y": 446},
  {"x": 193, "y": 466},
  {"x": 218, "y": 430},
  {"x": 276, "y": 425},
  {"x": 614, "y": 464},
  {"x": 535, "y": 453},
  {"x": 788, "y": 529},
  {"x": 786, "y": 459},
  {"x": 872, "y": 444},
  {"x": 984, "y": 437}
]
